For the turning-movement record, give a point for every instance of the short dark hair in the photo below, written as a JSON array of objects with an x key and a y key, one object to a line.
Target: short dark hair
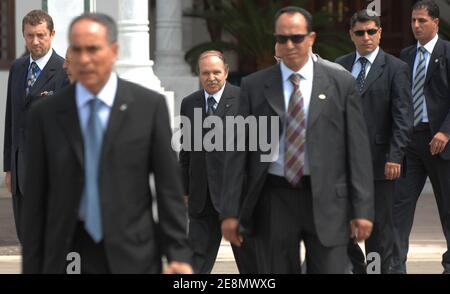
[
  {"x": 364, "y": 16},
  {"x": 296, "y": 9},
  {"x": 36, "y": 17},
  {"x": 429, "y": 5},
  {"x": 215, "y": 53},
  {"x": 107, "y": 21}
]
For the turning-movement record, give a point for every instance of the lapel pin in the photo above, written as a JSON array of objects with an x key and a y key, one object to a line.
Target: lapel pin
[
  {"x": 437, "y": 60},
  {"x": 322, "y": 97},
  {"x": 123, "y": 107},
  {"x": 228, "y": 105}
]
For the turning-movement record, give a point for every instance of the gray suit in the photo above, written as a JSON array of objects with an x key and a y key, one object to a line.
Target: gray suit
[{"x": 341, "y": 180}]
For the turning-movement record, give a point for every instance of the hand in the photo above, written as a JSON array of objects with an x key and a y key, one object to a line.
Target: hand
[
  {"x": 186, "y": 200},
  {"x": 392, "y": 170},
  {"x": 230, "y": 231},
  {"x": 437, "y": 145},
  {"x": 8, "y": 181},
  {"x": 178, "y": 268},
  {"x": 361, "y": 229}
]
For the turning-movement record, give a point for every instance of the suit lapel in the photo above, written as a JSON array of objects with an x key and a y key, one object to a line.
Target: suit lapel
[
  {"x": 435, "y": 56},
  {"x": 47, "y": 74},
  {"x": 376, "y": 70},
  {"x": 320, "y": 88},
  {"x": 119, "y": 111},
  {"x": 225, "y": 102},
  {"x": 411, "y": 56},
  {"x": 348, "y": 62},
  {"x": 22, "y": 82},
  {"x": 273, "y": 92},
  {"x": 69, "y": 120}
]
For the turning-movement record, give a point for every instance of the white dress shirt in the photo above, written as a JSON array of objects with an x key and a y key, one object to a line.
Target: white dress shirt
[
  {"x": 357, "y": 64},
  {"x": 216, "y": 96},
  {"x": 307, "y": 74},
  {"x": 41, "y": 62},
  {"x": 107, "y": 95}
]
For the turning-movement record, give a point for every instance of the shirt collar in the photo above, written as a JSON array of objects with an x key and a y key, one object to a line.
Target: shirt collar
[
  {"x": 306, "y": 72},
  {"x": 371, "y": 56},
  {"x": 106, "y": 94},
  {"x": 430, "y": 45},
  {"x": 42, "y": 62},
  {"x": 216, "y": 95}
]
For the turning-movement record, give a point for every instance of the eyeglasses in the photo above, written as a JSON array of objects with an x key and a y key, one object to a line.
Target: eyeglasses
[
  {"x": 361, "y": 33},
  {"x": 296, "y": 39}
]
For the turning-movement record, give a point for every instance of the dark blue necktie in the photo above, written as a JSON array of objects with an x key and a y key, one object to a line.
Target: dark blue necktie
[
  {"x": 362, "y": 74},
  {"x": 90, "y": 207},
  {"x": 32, "y": 76}
]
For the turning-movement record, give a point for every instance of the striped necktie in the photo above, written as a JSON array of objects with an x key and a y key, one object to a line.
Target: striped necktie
[
  {"x": 211, "y": 103},
  {"x": 294, "y": 153},
  {"x": 419, "y": 82}
]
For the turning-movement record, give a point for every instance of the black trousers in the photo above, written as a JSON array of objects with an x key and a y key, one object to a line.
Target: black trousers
[
  {"x": 284, "y": 218},
  {"x": 381, "y": 240},
  {"x": 205, "y": 236},
  {"x": 93, "y": 255},
  {"x": 17, "y": 209},
  {"x": 420, "y": 164}
]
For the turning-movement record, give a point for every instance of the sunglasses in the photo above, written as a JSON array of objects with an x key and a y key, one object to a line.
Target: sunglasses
[
  {"x": 361, "y": 33},
  {"x": 296, "y": 39}
]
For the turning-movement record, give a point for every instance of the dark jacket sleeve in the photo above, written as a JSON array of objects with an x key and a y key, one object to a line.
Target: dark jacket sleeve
[
  {"x": 172, "y": 213},
  {"x": 8, "y": 128},
  {"x": 184, "y": 156},
  {"x": 234, "y": 174},
  {"x": 402, "y": 112},
  {"x": 359, "y": 159}
]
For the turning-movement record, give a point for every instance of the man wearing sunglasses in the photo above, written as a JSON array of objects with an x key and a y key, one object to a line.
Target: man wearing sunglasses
[
  {"x": 428, "y": 153},
  {"x": 385, "y": 89},
  {"x": 322, "y": 172}
]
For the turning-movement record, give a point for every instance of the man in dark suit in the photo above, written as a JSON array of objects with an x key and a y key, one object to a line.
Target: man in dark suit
[
  {"x": 92, "y": 149},
  {"x": 383, "y": 81},
  {"x": 428, "y": 153},
  {"x": 31, "y": 77},
  {"x": 319, "y": 186},
  {"x": 202, "y": 169}
]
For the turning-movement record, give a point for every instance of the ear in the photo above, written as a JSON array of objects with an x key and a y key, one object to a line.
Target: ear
[
  {"x": 312, "y": 38},
  {"x": 52, "y": 34},
  {"x": 436, "y": 21},
  {"x": 115, "y": 49}
]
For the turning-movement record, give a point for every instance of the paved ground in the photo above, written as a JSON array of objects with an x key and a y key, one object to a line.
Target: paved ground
[{"x": 427, "y": 242}]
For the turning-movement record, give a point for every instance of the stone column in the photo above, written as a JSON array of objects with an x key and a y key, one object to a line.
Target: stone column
[
  {"x": 134, "y": 62},
  {"x": 62, "y": 13},
  {"x": 169, "y": 56}
]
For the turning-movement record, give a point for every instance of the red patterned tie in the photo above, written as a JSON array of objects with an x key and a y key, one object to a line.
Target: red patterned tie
[{"x": 294, "y": 148}]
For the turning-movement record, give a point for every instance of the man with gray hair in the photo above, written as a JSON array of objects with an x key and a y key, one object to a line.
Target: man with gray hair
[{"x": 94, "y": 146}]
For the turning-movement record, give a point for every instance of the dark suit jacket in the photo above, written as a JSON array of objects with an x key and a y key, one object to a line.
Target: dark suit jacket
[
  {"x": 387, "y": 106},
  {"x": 437, "y": 87},
  {"x": 337, "y": 144},
  {"x": 203, "y": 170},
  {"x": 51, "y": 79},
  {"x": 136, "y": 144}
]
